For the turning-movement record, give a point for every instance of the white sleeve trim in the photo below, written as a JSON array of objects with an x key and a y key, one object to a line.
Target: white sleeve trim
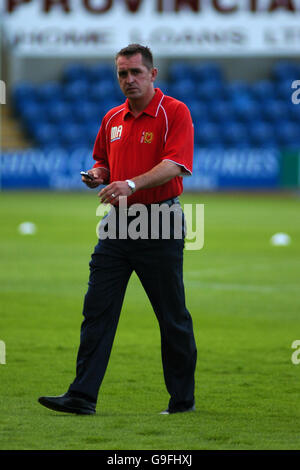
[{"x": 189, "y": 173}]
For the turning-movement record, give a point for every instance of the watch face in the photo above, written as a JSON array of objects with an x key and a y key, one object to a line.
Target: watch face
[{"x": 131, "y": 185}]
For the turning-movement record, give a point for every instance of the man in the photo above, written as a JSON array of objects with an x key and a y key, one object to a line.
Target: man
[{"x": 142, "y": 150}]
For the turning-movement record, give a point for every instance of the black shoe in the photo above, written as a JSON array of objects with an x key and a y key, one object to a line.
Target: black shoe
[
  {"x": 178, "y": 410},
  {"x": 68, "y": 404}
]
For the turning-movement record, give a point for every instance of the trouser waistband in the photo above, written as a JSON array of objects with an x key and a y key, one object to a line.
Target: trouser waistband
[{"x": 169, "y": 202}]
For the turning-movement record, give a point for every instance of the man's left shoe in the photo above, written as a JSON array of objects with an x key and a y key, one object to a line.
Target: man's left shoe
[
  {"x": 69, "y": 404},
  {"x": 180, "y": 410}
]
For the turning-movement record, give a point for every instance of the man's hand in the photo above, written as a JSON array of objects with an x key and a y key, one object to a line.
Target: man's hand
[
  {"x": 100, "y": 176},
  {"x": 111, "y": 193}
]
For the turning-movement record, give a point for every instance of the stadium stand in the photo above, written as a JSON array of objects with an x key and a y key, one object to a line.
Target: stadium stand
[{"x": 236, "y": 114}]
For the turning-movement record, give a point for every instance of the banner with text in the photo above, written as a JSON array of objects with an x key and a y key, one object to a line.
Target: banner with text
[
  {"x": 172, "y": 28},
  {"x": 213, "y": 169}
]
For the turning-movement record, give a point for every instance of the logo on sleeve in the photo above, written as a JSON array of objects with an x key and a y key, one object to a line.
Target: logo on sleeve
[
  {"x": 115, "y": 133},
  {"x": 147, "y": 137}
]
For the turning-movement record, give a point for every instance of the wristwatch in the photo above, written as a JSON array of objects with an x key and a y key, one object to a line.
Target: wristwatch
[{"x": 131, "y": 184}]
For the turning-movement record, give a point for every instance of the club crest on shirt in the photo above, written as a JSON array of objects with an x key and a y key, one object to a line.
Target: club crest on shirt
[
  {"x": 115, "y": 133},
  {"x": 147, "y": 137}
]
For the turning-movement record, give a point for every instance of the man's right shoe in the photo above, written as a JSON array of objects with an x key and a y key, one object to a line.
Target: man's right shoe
[
  {"x": 69, "y": 404},
  {"x": 179, "y": 410}
]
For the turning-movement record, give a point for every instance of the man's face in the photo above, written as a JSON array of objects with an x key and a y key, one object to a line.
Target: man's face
[{"x": 135, "y": 79}]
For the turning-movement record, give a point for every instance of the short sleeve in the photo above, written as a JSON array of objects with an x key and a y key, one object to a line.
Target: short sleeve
[
  {"x": 100, "y": 151},
  {"x": 179, "y": 140}
]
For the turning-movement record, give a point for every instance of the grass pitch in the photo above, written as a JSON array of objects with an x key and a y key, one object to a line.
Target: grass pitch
[{"x": 244, "y": 298}]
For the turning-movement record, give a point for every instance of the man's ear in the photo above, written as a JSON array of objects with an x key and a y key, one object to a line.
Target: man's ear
[{"x": 154, "y": 73}]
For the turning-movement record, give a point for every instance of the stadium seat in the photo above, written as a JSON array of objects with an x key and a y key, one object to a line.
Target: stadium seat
[
  {"x": 207, "y": 72},
  {"x": 183, "y": 89},
  {"x": 46, "y": 134},
  {"x": 211, "y": 90},
  {"x": 285, "y": 90},
  {"x": 261, "y": 132},
  {"x": 285, "y": 70},
  {"x": 49, "y": 92},
  {"x": 264, "y": 90},
  {"x": 221, "y": 111},
  {"x": 288, "y": 133},
  {"x": 75, "y": 90},
  {"x": 163, "y": 85},
  {"x": 234, "y": 133},
  {"x": 246, "y": 110},
  {"x": 206, "y": 133},
  {"x": 75, "y": 72},
  {"x": 101, "y": 72},
  {"x": 180, "y": 71},
  {"x": 72, "y": 135},
  {"x": 106, "y": 89},
  {"x": 59, "y": 112},
  {"x": 84, "y": 111},
  {"x": 274, "y": 110},
  {"x": 237, "y": 89},
  {"x": 198, "y": 110}
]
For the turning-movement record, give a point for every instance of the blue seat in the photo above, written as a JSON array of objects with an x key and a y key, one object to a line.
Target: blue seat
[
  {"x": 75, "y": 90},
  {"x": 294, "y": 112},
  {"x": 101, "y": 72},
  {"x": 285, "y": 70},
  {"x": 284, "y": 89},
  {"x": 24, "y": 90},
  {"x": 264, "y": 90},
  {"x": 163, "y": 85},
  {"x": 59, "y": 112},
  {"x": 91, "y": 130},
  {"x": 221, "y": 111},
  {"x": 31, "y": 110},
  {"x": 84, "y": 111},
  {"x": 180, "y": 70},
  {"x": 46, "y": 134},
  {"x": 206, "y": 133},
  {"x": 198, "y": 110},
  {"x": 206, "y": 72},
  {"x": 211, "y": 90},
  {"x": 49, "y": 91},
  {"x": 274, "y": 110},
  {"x": 246, "y": 110},
  {"x": 261, "y": 132},
  {"x": 75, "y": 72},
  {"x": 237, "y": 89},
  {"x": 72, "y": 134},
  {"x": 234, "y": 133},
  {"x": 183, "y": 89},
  {"x": 105, "y": 89},
  {"x": 287, "y": 133}
]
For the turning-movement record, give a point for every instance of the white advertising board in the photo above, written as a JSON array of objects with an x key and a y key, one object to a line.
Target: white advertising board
[{"x": 171, "y": 28}]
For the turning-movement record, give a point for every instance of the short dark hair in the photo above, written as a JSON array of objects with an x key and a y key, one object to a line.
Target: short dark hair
[{"x": 133, "y": 49}]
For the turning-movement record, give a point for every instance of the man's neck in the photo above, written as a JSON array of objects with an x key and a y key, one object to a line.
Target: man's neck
[{"x": 137, "y": 106}]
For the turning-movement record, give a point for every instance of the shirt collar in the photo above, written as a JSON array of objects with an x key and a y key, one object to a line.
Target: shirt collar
[{"x": 151, "y": 109}]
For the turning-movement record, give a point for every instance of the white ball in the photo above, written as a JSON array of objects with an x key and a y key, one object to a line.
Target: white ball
[
  {"x": 27, "y": 228},
  {"x": 280, "y": 239}
]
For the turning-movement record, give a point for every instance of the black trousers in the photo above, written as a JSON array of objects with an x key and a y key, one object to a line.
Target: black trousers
[{"x": 159, "y": 265}]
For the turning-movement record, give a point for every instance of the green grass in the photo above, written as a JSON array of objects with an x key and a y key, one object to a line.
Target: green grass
[{"x": 243, "y": 295}]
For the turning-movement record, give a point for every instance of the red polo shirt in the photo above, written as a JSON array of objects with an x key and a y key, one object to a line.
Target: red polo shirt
[{"x": 130, "y": 146}]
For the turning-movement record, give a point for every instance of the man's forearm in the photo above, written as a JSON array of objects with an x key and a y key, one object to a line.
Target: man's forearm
[{"x": 160, "y": 174}]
